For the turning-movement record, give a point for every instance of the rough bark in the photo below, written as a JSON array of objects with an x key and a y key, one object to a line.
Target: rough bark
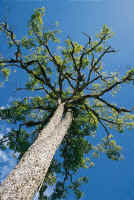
[{"x": 24, "y": 180}]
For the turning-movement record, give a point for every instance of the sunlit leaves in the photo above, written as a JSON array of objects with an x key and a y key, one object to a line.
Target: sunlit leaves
[
  {"x": 99, "y": 49},
  {"x": 68, "y": 42},
  {"x": 5, "y": 72},
  {"x": 36, "y": 22},
  {"x": 73, "y": 46},
  {"x": 10, "y": 43},
  {"x": 105, "y": 32},
  {"x": 27, "y": 43},
  {"x": 109, "y": 147},
  {"x": 97, "y": 86},
  {"x": 59, "y": 60},
  {"x": 37, "y": 101},
  {"x": 38, "y": 14},
  {"x": 85, "y": 62},
  {"x": 51, "y": 35},
  {"x": 77, "y": 47},
  {"x": 93, "y": 121}
]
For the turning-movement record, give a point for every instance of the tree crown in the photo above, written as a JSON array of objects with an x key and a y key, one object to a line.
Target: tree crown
[{"x": 73, "y": 73}]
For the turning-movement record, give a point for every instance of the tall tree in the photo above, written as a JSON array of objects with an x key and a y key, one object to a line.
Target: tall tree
[{"x": 68, "y": 105}]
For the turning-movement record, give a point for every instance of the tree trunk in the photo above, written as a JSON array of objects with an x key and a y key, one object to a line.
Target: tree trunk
[{"x": 25, "y": 179}]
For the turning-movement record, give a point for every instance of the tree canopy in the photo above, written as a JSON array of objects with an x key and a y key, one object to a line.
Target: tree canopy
[{"x": 75, "y": 74}]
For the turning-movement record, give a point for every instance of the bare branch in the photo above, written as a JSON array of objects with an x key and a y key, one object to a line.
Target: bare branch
[
  {"x": 47, "y": 80},
  {"x": 53, "y": 58},
  {"x": 113, "y": 106}
]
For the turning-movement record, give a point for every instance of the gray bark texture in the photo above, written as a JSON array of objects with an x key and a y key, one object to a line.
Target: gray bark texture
[{"x": 25, "y": 179}]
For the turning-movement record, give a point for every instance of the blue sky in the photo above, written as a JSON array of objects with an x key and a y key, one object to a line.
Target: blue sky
[{"x": 108, "y": 179}]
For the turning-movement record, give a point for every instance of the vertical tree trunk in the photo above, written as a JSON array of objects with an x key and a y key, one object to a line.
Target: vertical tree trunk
[{"x": 24, "y": 180}]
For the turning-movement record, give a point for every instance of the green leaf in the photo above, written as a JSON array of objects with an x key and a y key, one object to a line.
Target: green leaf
[{"x": 5, "y": 72}]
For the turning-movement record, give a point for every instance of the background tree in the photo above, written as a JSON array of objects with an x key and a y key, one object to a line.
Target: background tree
[{"x": 75, "y": 75}]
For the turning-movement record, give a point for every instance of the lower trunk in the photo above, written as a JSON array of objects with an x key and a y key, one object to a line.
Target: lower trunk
[{"x": 24, "y": 180}]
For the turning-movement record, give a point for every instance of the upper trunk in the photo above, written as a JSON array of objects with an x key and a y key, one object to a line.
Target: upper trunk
[{"x": 24, "y": 180}]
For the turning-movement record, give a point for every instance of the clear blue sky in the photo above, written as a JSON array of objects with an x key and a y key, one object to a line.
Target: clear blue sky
[{"x": 108, "y": 180}]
